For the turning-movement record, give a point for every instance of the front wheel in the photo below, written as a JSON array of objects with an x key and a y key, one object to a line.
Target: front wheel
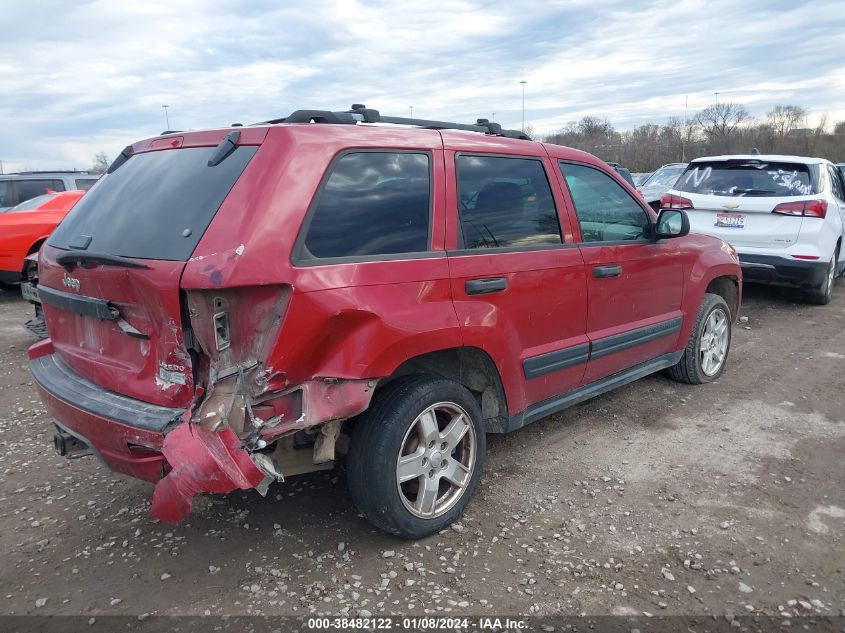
[
  {"x": 709, "y": 342},
  {"x": 416, "y": 455}
]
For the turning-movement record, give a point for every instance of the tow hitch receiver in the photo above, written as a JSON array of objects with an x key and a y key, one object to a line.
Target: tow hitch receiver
[{"x": 201, "y": 461}]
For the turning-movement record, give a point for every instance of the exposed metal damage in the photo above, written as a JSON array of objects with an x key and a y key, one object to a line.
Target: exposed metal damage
[{"x": 248, "y": 426}]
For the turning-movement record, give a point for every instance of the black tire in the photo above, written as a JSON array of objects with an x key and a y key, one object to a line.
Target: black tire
[
  {"x": 689, "y": 368},
  {"x": 377, "y": 442},
  {"x": 822, "y": 295}
]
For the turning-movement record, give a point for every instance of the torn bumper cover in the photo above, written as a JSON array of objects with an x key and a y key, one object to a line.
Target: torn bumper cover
[
  {"x": 173, "y": 448},
  {"x": 202, "y": 461}
]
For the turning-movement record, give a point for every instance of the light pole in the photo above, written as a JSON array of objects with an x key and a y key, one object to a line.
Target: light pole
[
  {"x": 523, "y": 82},
  {"x": 166, "y": 118},
  {"x": 493, "y": 117},
  {"x": 684, "y": 132},
  {"x": 716, "y": 94},
  {"x": 412, "y": 111}
]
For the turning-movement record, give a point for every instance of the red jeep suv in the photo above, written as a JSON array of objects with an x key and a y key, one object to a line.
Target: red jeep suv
[{"x": 230, "y": 307}]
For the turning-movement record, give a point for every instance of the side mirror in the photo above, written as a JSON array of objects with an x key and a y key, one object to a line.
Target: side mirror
[{"x": 671, "y": 223}]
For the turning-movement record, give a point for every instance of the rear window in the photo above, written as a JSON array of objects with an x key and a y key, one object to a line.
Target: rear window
[
  {"x": 32, "y": 203},
  {"x": 663, "y": 177},
  {"x": 155, "y": 206},
  {"x": 747, "y": 178}
]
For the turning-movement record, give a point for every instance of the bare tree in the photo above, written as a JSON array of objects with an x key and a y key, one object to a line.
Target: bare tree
[
  {"x": 720, "y": 121},
  {"x": 785, "y": 118},
  {"x": 646, "y": 147},
  {"x": 101, "y": 163}
]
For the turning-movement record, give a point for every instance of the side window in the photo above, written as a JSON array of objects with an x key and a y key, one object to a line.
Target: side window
[
  {"x": 835, "y": 183},
  {"x": 372, "y": 203},
  {"x": 505, "y": 202},
  {"x": 85, "y": 183},
  {"x": 30, "y": 188},
  {"x": 5, "y": 194},
  {"x": 605, "y": 211}
]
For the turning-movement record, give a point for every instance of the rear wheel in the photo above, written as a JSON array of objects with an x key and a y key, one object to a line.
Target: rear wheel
[
  {"x": 709, "y": 342},
  {"x": 824, "y": 293},
  {"x": 416, "y": 455}
]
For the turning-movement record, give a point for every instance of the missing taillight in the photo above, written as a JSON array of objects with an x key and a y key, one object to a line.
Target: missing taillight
[{"x": 221, "y": 330}]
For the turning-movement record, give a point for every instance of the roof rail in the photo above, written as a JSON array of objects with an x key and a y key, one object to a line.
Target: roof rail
[
  {"x": 49, "y": 171},
  {"x": 360, "y": 113}
]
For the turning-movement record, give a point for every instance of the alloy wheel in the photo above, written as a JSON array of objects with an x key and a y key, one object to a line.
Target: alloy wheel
[
  {"x": 436, "y": 460},
  {"x": 713, "y": 347}
]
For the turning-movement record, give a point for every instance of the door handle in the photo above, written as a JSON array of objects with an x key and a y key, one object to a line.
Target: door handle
[
  {"x": 603, "y": 272},
  {"x": 485, "y": 286}
]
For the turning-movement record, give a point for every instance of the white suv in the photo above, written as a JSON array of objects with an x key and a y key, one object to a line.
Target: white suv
[{"x": 783, "y": 214}]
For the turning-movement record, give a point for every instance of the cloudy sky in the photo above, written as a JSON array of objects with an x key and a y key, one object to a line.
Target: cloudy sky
[{"x": 86, "y": 76}]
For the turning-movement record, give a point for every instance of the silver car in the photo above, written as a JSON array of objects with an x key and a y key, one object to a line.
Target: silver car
[
  {"x": 660, "y": 182},
  {"x": 21, "y": 186}
]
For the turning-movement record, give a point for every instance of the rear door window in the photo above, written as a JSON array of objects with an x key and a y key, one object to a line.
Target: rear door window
[
  {"x": 740, "y": 177},
  {"x": 30, "y": 188},
  {"x": 371, "y": 204},
  {"x": 505, "y": 203},
  {"x": 605, "y": 210},
  {"x": 5, "y": 193},
  {"x": 157, "y": 205},
  {"x": 836, "y": 185}
]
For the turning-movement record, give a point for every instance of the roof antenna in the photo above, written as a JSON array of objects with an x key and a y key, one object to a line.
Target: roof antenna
[{"x": 755, "y": 152}]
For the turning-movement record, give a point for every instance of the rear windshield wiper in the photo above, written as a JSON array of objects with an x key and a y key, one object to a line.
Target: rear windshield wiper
[
  {"x": 70, "y": 259},
  {"x": 753, "y": 192}
]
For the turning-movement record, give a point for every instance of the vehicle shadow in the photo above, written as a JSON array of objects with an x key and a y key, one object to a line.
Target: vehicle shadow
[{"x": 10, "y": 295}]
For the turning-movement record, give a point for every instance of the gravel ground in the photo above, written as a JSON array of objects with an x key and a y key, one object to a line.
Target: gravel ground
[{"x": 661, "y": 498}]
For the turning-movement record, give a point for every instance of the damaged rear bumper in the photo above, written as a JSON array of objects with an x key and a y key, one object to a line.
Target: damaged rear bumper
[
  {"x": 230, "y": 440},
  {"x": 144, "y": 441},
  {"x": 127, "y": 435}
]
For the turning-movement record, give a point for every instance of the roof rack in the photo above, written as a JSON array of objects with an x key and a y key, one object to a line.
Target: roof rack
[{"x": 360, "y": 113}]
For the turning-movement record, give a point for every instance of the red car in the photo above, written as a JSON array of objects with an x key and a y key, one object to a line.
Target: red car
[
  {"x": 25, "y": 227},
  {"x": 232, "y": 307}
]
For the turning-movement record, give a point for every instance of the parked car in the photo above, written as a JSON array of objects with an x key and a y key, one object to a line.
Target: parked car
[
  {"x": 623, "y": 171},
  {"x": 660, "y": 181},
  {"x": 24, "y": 227},
  {"x": 841, "y": 167},
  {"x": 318, "y": 288},
  {"x": 640, "y": 178},
  {"x": 20, "y": 187},
  {"x": 783, "y": 214}
]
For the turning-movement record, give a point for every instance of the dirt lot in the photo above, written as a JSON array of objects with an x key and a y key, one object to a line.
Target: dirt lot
[{"x": 659, "y": 497}]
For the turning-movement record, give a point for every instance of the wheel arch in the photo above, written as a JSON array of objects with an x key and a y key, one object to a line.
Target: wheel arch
[
  {"x": 471, "y": 367},
  {"x": 727, "y": 287}
]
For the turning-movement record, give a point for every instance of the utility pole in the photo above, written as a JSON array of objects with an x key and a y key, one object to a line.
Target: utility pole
[
  {"x": 523, "y": 82},
  {"x": 166, "y": 118}
]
